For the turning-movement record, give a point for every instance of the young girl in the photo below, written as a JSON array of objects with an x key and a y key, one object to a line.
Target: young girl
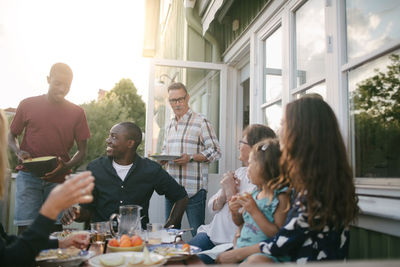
[
  {"x": 315, "y": 161},
  {"x": 264, "y": 210}
]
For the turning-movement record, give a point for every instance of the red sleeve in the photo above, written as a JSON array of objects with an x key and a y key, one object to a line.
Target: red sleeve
[
  {"x": 18, "y": 124},
  {"x": 82, "y": 131}
]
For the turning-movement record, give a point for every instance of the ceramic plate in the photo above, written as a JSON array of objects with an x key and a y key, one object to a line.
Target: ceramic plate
[
  {"x": 75, "y": 260},
  {"x": 169, "y": 249},
  {"x": 126, "y": 257},
  {"x": 164, "y": 157}
]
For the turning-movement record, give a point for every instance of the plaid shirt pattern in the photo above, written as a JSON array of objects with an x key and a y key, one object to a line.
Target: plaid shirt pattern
[{"x": 192, "y": 134}]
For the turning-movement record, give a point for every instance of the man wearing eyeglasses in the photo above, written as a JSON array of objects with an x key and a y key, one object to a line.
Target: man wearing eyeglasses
[{"x": 190, "y": 135}]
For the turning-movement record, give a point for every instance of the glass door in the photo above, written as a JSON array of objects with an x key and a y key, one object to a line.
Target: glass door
[{"x": 206, "y": 85}]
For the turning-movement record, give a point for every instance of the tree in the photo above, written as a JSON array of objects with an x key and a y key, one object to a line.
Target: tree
[
  {"x": 379, "y": 95},
  {"x": 126, "y": 93},
  {"x": 376, "y": 111},
  {"x": 120, "y": 104}
]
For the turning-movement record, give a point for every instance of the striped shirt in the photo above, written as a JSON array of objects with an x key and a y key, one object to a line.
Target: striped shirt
[{"x": 192, "y": 134}]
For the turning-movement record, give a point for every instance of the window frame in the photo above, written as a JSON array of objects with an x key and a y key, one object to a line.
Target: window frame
[
  {"x": 364, "y": 185},
  {"x": 294, "y": 89},
  {"x": 383, "y": 192},
  {"x": 268, "y": 30}
]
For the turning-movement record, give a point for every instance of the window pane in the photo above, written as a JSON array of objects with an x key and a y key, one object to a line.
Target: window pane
[
  {"x": 273, "y": 66},
  {"x": 319, "y": 89},
  {"x": 273, "y": 116},
  {"x": 310, "y": 41},
  {"x": 370, "y": 25},
  {"x": 375, "y": 117}
]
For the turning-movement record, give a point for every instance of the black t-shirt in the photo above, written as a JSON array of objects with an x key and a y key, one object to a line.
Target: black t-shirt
[{"x": 144, "y": 177}]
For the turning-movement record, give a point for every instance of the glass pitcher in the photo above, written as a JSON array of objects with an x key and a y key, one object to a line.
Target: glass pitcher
[{"x": 128, "y": 219}]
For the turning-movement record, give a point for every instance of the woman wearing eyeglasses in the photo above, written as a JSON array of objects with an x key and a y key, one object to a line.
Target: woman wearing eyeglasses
[{"x": 222, "y": 229}]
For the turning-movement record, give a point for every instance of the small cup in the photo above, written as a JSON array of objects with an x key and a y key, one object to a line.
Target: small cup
[
  {"x": 154, "y": 231},
  {"x": 99, "y": 231}
]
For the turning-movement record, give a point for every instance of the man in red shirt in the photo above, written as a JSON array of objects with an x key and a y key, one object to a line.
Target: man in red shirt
[{"x": 52, "y": 125}]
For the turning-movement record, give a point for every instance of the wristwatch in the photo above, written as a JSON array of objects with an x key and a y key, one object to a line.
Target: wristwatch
[{"x": 191, "y": 158}]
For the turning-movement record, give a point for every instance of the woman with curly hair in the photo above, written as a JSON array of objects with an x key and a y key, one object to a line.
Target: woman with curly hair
[{"x": 314, "y": 160}]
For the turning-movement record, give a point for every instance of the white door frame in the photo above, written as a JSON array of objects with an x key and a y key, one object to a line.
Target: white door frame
[{"x": 222, "y": 105}]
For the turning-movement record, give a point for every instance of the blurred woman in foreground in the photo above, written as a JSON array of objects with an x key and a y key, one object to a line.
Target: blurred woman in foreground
[{"x": 22, "y": 250}]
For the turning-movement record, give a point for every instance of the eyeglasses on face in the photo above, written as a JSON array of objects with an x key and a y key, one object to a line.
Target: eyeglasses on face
[
  {"x": 241, "y": 142},
  {"x": 177, "y": 100}
]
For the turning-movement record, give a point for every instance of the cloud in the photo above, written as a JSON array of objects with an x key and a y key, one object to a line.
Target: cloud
[{"x": 366, "y": 32}]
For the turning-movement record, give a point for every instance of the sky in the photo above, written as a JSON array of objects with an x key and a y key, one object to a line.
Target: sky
[{"x": 101, "y": 40}]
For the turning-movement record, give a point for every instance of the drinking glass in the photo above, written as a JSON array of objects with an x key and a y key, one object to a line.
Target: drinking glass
[
  {"x": 99, "y": 231},
  {"x": 154, "y": 233}
]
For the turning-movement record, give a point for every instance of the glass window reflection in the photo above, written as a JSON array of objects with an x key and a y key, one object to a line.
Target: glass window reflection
[
  {"x": 318, "y": 90},
  {"x": 310, "y": 41},
  {"x": 371, "y": 24},
  {"x": 273, "y": 116},
  {"x": 375, "y": 117},
  {"x": 273, "y": 66}
]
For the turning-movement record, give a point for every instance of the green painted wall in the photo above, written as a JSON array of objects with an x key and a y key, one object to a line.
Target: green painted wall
[
  {"x": 366, "y": 244},
  {"x": 245, "y": 12}
]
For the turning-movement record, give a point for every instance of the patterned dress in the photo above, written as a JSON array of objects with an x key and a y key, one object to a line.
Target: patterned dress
[
  {"x": 301, "y": 244},
  {"x": 251, "y": 233}
]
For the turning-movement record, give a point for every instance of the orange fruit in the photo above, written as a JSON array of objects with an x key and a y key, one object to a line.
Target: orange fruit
[
  {"x": 113, "y": 242},
  {"x": 186, "y": 247},
  {"x": 136, "y": 240},
  {"x": 123, "y": 237},
  {"x": 125, "y": 243}
]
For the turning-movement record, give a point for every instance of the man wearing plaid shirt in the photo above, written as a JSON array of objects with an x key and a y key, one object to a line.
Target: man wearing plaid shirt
[{"x": 190, "y": 135}]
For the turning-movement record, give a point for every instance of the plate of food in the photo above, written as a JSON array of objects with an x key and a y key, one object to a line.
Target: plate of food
[
  {"x": 128, "y": 259},
  {"x": 175, "y": 251},
  {"x": 165, "y": 157},
  {"x": 62, "y": 257}
]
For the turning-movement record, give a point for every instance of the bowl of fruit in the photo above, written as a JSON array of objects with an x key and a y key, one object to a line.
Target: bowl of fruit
[{"x": 126, "y": 243}]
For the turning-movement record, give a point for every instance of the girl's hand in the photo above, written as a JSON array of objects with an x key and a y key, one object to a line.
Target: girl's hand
[
  {"x": 248, "y": 203},
  {"x": 234, "y": 204}
]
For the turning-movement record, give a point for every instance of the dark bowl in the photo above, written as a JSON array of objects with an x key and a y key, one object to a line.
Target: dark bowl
[{"x": 41, "y": 165}]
